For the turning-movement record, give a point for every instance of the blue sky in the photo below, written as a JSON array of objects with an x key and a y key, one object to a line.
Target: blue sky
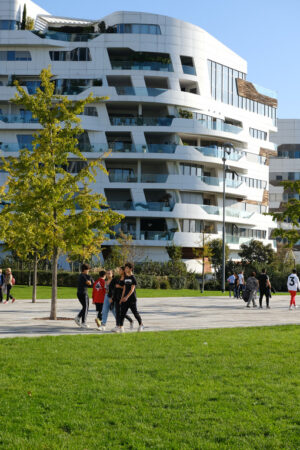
[{"x": 264, "y": 32}]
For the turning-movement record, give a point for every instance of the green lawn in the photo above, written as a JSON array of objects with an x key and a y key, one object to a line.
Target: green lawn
[
  {"x": 205, "y": 389},
  {"x": 44, "y": 292}
]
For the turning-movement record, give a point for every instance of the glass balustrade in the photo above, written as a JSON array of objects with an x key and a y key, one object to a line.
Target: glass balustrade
[
  {"x": 142, "y": 121},
  {"x": 68, "y": 37},
  {"x": 214, "y": 181},
  {"x": 142, "y": 65},
  {"x": 125, "y": 147},
  {"x": 10, "y": 147},
  {"x": 142, "y": 91},
  {"x": 230, "y": 212},
  {"x": 161, "y": 148},
  {"x": 116, "y": 177},
  {"x": 156, "y": 235},
  {"x": 154, "y": 178},
  {"x": 217, "y": 152},
  {"x": 18, "y": 118},
  {"x": 189, "y": 70},
  {"x": 154, "y": 206},
  {"x": 126, "y": 205}
]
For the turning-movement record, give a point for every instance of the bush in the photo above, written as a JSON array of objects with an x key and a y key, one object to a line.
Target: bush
[
  {"x": 212, "y": 285},
  {"x": 144, "y": 281},
  {"x": 156, "y": 283},
  {"x": 164, "y": 284},
  {"x": 177, "y": 282}
]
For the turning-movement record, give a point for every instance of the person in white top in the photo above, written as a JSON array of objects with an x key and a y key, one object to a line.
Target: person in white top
[{"x": 293, "y": 284}]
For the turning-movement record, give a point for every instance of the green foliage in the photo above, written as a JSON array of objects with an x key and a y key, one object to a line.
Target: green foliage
[
  {"x": 164, "y": 284},
  {"x": 102, "y": 27},
  {"x": 185, "y": 114},
  {"x": 24, "y": 17},
  {"x": 177, "y": 282},
  {"x": 256, "y": 252},
  {"x": 29, "y": 25},
  {"x": 174, "y": 252},
  {"x": 216, "y": 249},
  {"x": 48, "y": 209}
]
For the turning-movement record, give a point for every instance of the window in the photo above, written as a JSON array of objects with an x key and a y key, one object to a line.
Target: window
[
  {"x": 137, "y": 28},
  {"x": 190, "y": 169},
  {"x": 258, "y": 134},
  {"x": 77, "y": 54},
  {"x": 13, "y": 55},
  {"x": 9, "y": 25},
  {"x": 25, "y": 140},
  {"x": 223, "y": 88}
]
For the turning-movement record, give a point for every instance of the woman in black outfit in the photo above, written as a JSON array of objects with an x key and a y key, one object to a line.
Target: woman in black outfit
[{"x": 115, "y": 293}]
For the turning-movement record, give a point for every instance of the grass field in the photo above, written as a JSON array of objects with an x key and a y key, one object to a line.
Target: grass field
[
  {"x": 44, "y": 292},
  {"x": 205, "y": 389}
]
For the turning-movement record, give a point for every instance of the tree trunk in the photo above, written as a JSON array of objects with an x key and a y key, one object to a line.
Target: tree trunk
[
  {"x": 34, "y": 284},
  {"x": 54, "y": 284}
]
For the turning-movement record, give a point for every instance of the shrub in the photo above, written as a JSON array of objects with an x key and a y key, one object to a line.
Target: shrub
[
  {"x": 156, "y": 283},
  {"x": 164, "y": 284},
  {"x": 177, "y": 282},
  {"x": 212, "y": 285},
  {"x": 144, "y": 281}
]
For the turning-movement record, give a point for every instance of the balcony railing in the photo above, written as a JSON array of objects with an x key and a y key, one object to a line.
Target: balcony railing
[
  {"x": 214, "y": 181},
  {"x": 230, "y": 212},
  {"x": 156, "y": 235},
  {"x": 11, "y": 118},
  {"x": 126, "y": 147},
  {"x": 190, "y": 70},
  {"x": 68, "y": 37},
  {"x": 148, "y": 206},
  {"x": 154, "y": 177},
  {"x": 142, "y": 91},
  {"x": 122, "y": 178},
  {"x": 126, "y": 205},
  {"x": 217, "y": 152},
  {"x": 142, "y": 65},
  {"x": 141, "y": 121}
]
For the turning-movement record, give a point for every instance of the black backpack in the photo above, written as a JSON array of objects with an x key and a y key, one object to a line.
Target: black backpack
[{"x": 246, "y": 295}]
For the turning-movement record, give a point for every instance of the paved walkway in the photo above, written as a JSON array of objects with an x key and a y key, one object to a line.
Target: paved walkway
[{"x": 24, "y": 318}]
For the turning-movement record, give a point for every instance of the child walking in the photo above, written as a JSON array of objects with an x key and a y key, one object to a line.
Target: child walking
[
  {"x": 98, "y": 296},
  {"x": 8, "y": 284},
  {"x": 293, "y": 285}
]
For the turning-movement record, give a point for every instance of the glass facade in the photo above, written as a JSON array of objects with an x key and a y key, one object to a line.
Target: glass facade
[
  {"x": 137, "y": 28},
  {"x": 258, "y": 134},
  {"x": 15, "y": 55},
  {"x": 291, "y": 151},
  {"x": 224, "y": 89},
  {"x": 9, "y": 25},
  {"x": 77, "y": 54}
]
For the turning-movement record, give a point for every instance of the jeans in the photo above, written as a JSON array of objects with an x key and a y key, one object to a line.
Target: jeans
[
  {"x": 231, "y": 288},
  {"x": 240, "y": 290},
  {"x": 105, "y": 310}
]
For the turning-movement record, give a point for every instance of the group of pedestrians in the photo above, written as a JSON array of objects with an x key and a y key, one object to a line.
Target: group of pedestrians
[
  {"x": 261, "y": 283},
  {"x": 6, "y": 283},
  {"x": 111, "y": 292}
]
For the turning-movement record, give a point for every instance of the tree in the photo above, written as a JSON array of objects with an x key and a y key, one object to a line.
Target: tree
[
  {"x": 29, "y": 25},
  {"x": 256, "y": 252},
  {"x": 203, "y": 252},
  {"x": 24, "y": 18},
  {"x": 216, "y": 248},
  {"x": 61, "y": 205},
  {"x": 102, "y": 27},
  {"x": 123, "y": 252},
  {"x": 290, "y": 214}
]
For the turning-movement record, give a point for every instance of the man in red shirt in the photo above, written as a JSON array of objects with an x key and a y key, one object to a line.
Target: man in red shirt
[{"x": 98, "y": 296}]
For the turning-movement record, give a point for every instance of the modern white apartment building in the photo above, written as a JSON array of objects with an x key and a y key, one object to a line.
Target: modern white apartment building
[
  {"x": 285, "y": 166},
  {"x": 177, "y": 96}
]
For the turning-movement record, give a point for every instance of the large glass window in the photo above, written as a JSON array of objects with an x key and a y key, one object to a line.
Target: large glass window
[
  {"x": 137, "y": 28},
  {"x": 9, "y": 25},
  {"x": 77, "y": 54},
  {"x": 12, "y": 55}
]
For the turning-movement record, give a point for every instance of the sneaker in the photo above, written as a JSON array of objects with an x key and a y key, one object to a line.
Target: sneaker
[
  {"x": 260, "y": 307},
  {"x": 84, "y": 325},
  {"x": 98, "y": 322},
  {"x": 77, "y": 321},
  {"x": 131, "y": 325},
  {"x": 290, "y": 308},
  {"x": 121, "y": 330},
  {"x": 268, "y": 307},
  {"x": 141, "y": 327},
  {"x": 13, "y": 300},
  {"x": 254, "y": 306},
  {"x": 247, "y": 306},
  {"x": 4, "y": 302},
  {"x": 114, "y": 330},
  {"x": 102, "y": 328}
]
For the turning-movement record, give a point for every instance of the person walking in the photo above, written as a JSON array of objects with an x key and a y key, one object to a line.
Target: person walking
[
  {"x": 7, "y": 285},
  {"x": 252, "y": 287},
  {"x": 264, "y": 288},
  {"x": 1, "y": 284},
  {"x": 293, "y": 285},
  {"x": 107, "y": 303},
  {"x": 241, "y": 286},
  {"x": 236, "y": 285},
  {"x": 84, "y": 281},
  {"x": 129, "y": 299},
  {"x": 231, "y": 283},
  {"x": 115, "y": 294},
  {"x": 98, "y": 296}
]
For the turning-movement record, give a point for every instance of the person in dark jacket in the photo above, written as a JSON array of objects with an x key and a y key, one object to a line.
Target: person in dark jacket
[
  {"x": 252, "y": 287},
  {"x": 115, "y": 295}
]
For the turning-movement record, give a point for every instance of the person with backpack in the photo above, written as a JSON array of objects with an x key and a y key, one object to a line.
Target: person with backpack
[
  {"x": 98, "y": 296},
  {"x": 9, "y": 281},
  {"x": 293, "y": 285},
  {"x": 251, "y": 289},
  {"x": 264, "y": 288}
]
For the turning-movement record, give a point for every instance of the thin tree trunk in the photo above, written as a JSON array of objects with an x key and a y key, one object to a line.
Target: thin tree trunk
[
  {"x": 54, "y": 284},
  {"x": 34, "y": 284},
  {"x": 203, "y": 263}
]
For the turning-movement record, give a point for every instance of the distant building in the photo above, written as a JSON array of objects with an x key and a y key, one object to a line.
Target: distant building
[
  {"x": 177, "y": 96},
  {"x": 285, "y": 166}
]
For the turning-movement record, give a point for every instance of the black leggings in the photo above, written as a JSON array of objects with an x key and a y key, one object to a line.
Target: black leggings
[
  {"x": 117, "y": 307},
  {"x": 99, "y": 307},
  {"x": 8, "y": 289},
  {"x": 261, "y": 294},
  {"x": 84, "y": 300},
  {"x": 130, "y": 304}
]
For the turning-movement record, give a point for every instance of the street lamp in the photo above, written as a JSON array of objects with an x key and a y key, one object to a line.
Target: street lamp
[{"x": 226, "y": 151}]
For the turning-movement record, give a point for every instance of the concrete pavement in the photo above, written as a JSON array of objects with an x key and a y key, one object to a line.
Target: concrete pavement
[{"x": 24, "y": 318}]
